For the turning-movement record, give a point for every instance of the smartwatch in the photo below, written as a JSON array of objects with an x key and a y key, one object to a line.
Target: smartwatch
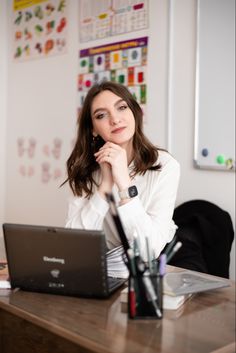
[{"x": 128, "y": 193}]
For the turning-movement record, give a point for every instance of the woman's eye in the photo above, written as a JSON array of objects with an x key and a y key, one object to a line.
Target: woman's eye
[
  {"x": 100, "y": 116},
  {"x": 123, "y": 107}
]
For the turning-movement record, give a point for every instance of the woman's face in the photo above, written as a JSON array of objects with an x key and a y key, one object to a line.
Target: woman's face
[{"x": 112, "y": 118}]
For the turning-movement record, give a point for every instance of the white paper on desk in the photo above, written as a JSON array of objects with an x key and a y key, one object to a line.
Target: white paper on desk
[
  {"x": 115, "y": 263},
  {"x": 5, "y": 285},
  {"x": 187, "y": 282},
  {"x": 169, "y": 302}
]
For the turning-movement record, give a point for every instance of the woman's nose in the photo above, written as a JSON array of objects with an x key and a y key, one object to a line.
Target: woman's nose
[{"x": 114, "y": 119}]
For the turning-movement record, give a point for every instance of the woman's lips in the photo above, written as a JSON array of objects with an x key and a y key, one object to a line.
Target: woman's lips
[{"x": 117, "y": 131}]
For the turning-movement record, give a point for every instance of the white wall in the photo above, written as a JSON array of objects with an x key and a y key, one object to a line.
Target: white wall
[
  {"x": 3, "y": 115},
  {"x": 42, "y": 103},
  {"x": 215, "y": 186}
]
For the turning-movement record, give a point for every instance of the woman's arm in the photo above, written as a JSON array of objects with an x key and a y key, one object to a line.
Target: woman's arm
[
  {"x": 147, "y": 215},
  {"x": 154, "y": 220},
  {"x": 87, "y": 214}
]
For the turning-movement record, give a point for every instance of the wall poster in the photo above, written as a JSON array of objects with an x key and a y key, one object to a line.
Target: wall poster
[
  {"x": 101, "y": 19},
  {"x": 39, "y": 28},
  {"x": 41, "y": 161},
  {"x": 123, "y": 62}
]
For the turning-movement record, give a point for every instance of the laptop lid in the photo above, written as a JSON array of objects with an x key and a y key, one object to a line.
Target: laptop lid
[{"x": 57, "y": 260}]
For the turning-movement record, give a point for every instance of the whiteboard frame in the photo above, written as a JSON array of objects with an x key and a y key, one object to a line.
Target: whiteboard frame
[{"x": 196, "y": 120}]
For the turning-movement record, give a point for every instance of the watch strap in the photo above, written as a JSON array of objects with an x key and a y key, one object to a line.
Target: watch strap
[{"x": 128, "y": 193}]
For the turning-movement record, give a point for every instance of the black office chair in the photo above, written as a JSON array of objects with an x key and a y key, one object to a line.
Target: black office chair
[{"x": 206, "y": 233}]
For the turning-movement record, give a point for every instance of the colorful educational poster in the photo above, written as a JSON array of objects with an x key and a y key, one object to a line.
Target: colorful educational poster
[
  {"x": 101, "y": 19},
  {"x": 123, "y": 62},
  {"x": 39, "y": 28}
]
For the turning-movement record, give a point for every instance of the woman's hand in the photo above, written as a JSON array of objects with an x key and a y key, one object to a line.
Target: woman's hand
[
  {"x": 106, "y": 179},
  {"x": 117, "y": 158}
]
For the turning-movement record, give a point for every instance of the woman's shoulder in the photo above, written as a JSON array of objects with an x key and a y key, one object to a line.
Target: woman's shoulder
[{"x": 166, "y": 159}]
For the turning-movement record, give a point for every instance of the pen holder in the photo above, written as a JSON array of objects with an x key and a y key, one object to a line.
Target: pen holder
[{"x": 145, "y": 296}]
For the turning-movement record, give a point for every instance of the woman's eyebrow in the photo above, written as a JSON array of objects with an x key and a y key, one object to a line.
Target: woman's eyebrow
[
  {"x": 98, "y": 110},
  {"x": 118, "y": 102},
  {"x": 105, "y": 109}
]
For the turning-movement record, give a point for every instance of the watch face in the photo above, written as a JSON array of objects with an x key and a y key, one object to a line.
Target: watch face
[{"x": 133, "y": 191}]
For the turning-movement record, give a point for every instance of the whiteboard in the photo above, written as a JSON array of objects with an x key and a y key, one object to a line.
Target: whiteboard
[{"x": 214, "y": 141}]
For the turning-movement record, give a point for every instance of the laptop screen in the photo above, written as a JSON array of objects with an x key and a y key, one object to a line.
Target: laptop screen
[{"x": 57, "y": 260}]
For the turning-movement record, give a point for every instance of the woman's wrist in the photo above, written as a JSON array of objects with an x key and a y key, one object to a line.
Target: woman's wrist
[
  {"x": 123, "y": 202},
  {"x": 103, "y": 190}
]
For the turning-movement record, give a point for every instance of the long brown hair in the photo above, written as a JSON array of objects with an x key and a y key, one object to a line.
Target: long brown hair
[{"x": 81, "y": 164}]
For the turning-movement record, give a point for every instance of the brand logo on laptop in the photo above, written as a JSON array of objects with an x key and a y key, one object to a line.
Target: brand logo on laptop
[
  {"x": 53, "y": 259},
  {"x": 56, "y": 285},
  {"x": 55, "y": 273}
]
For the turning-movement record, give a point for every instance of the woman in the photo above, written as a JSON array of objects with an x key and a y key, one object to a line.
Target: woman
[{"x": 112, "y": 154}]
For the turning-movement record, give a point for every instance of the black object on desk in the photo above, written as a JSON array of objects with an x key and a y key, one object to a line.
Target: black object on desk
[{"x": 55, "y": 260}]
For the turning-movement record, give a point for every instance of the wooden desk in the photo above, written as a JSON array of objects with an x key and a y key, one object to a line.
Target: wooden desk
[{"x": 33, "y": 322}]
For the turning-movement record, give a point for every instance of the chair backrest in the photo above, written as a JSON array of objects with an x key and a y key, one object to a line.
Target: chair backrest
[{"x": 215, "y": 230}]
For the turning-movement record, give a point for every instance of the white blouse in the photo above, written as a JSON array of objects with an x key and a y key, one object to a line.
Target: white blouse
[{"x": 147, "y": 215}]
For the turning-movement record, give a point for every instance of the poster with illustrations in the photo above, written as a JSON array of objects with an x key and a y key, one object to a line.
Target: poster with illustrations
[
  {"x": 40, "y": 160},
  {"x": 101, "y": 19},
  {"x": 39, "y": 28},
  {"x": 123, "y": 62}
]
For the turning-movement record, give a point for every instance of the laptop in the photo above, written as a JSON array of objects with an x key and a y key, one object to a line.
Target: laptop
[{"x": 58, "y": 260}]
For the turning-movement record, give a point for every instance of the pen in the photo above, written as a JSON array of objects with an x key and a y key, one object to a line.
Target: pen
[
  {"x": 160, "y": 276},
  {"x": 170, "y": 245},
  {"x": 130, "y": 253},
  {"x": 162, "y": 265},
  {"x": 174, "y": 251},
  {"x": 140, "y": 265},
  {"x": 118, "y": 223},
  {"x": 148, "y": 255},
  {"x": 136, "y": 247},
  {"x": 132, "y": 298},
  {"x": 151, "y": 294}
]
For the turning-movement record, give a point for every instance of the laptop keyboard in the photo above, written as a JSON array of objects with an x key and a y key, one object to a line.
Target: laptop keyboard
[{"x": 115, "y": 282}]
